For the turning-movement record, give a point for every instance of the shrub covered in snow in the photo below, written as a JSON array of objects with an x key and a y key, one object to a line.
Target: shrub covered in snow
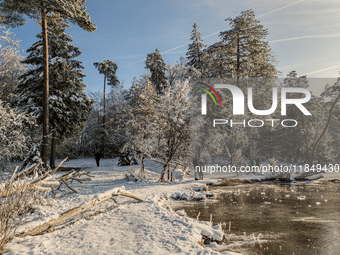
[
  {"x": 11, "y": 66},
  {"x": 136, "y": 175},
  {"x": 14, "y": 138},
  {"x": 16, "y": 201}
]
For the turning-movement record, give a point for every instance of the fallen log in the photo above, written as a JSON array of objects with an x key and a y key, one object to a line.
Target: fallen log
[{"x": 71, "y": 213}]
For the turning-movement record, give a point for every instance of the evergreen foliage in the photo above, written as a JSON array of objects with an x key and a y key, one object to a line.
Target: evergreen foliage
[
  {"x": 242, "y": 51},
  {"x": 108, "y": 68},
  {"x": 195, "y": 49},
  {"x": 157, "y": 67},
  {"x": 13, "y": 12},
  {"x": 69, "y": 106}
]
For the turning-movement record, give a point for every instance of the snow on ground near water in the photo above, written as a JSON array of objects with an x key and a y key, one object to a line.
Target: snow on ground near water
[{"x": 131, "y": 228}]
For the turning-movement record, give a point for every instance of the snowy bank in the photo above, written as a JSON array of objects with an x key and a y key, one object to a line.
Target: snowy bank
[{"x": 149, "y": 227}]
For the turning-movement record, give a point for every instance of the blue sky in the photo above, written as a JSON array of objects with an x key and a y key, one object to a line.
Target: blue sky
[{"x": 304, "y": 35}]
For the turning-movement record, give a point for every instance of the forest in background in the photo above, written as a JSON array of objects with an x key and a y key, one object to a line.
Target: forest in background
[{"x": 151, "y": 119}]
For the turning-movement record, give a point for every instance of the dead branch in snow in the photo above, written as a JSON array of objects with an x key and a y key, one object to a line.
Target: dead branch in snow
[
  {"x": 47, "y": 227},
  {"x": 45, "y": 182}
]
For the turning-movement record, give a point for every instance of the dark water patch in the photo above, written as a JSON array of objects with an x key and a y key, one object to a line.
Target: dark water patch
[{"x": 300, "y": 218}]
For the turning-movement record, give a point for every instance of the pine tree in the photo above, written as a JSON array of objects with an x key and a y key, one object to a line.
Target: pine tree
[
  {"x": 243, "y": 54},
  {"x": 248, "y": 54},
  {"x": 180, "y": 72},
  {"x": 215, "y": 61},
  {"x": 108, "y": 68},
  {"x": 154, "y": 62},
  {"x": 13, "y": 11},
  {"x": 242, "y": 51},
  {"x": 195, "y": 49},
  {"x": 69, "y": 107}
]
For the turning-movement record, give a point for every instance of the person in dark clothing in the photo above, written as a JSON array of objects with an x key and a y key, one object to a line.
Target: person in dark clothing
[
  {"x": 195, "y": 162},
  {"x": 258, "y": 161},
  {"x": 97, "y": 156},
  {"x": 252, "y": 162}
]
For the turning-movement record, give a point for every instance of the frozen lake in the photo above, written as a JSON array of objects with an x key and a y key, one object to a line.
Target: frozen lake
[{"x": 296, "y": 218}]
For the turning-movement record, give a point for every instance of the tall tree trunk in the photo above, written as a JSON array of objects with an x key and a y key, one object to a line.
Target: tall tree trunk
[
  {"x": 306, "y": 139},
  {"x": 142, "y": 167},
  {"x": 53, "y": 149},
  {"x": 166, "y": 164},
  {"x": 238, "y": 60},
  {"x": 104, "y": 115},
  {"x": 250, "y": 142},
  {"x": 44, "y": 148},
  {"x": 324, "y": 131},
  {"x": 168, "y": 173}
]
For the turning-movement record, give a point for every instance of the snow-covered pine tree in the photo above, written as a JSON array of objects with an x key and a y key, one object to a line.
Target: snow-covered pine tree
[
  {"x": 157, "y": 67},
  {"x": 242, "y": 51},
  {"x": 243, "y": 54},
  {"x": 69, "y": 106},
  {"x": 12, "y": 14},
  {"x": 195, "y": 49},
  {"x": 180, "y": 72},
  {"x": 10, "y": 64},
  {"x": 248, "y": 54},
  {"x": 108, "y": 68},
  {"x": 215, "y": 62}
]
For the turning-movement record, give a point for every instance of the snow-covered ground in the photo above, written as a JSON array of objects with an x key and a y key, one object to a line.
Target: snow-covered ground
[{"x": 149, "y": 227}]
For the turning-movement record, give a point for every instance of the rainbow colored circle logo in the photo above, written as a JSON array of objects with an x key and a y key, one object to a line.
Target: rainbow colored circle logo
[{"x": 208, "y": 92}]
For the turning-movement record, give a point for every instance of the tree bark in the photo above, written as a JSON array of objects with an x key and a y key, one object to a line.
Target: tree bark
[
  {"x": 44, "y": 147},
  {"x": 238, "y": 60},
  {"x": 53, "y": 149},
  {"x": 168, "y": 173},
  {"x": 306, "y": 140},
  {"x": 104, "y": 115},
  {"x": 104, "y": 118},
  {"x": 165, "y": 166},
  {"x": 142, "y": 167}
]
